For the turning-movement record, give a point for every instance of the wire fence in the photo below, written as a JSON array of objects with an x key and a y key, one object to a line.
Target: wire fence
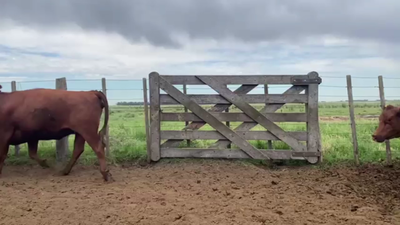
[{"x": 127, "y": 125}]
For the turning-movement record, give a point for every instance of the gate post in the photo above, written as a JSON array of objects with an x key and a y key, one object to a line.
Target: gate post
[
  {"x": 313, "y": 131},
  {"x": 154, "y": 85}
]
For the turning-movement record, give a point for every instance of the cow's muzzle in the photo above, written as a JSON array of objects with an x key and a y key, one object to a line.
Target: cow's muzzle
[{"x": 378, "y": 138}]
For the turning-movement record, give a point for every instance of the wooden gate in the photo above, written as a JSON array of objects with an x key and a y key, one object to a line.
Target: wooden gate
[{"x": 303, "y": 144}]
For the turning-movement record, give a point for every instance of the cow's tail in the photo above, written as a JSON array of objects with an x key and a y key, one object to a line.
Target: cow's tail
[{"x": 104, "y": 103}]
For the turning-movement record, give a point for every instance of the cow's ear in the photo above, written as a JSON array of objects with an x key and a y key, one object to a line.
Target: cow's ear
[{"x": 389, "y": 107}]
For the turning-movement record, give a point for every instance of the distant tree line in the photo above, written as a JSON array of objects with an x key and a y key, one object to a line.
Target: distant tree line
[{"x": 130, "y": 103}]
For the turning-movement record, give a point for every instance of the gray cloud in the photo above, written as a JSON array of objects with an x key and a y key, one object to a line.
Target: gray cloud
[{"x": 246, "y": 20}]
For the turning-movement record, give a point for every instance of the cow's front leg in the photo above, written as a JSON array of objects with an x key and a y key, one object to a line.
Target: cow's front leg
[{"x": 33, "y": 147}]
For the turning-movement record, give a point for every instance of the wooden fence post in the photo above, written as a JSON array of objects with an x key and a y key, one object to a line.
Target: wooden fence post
[
  {"x": 62, "y": 144},
  {"x": 383, "y": 103},
  {"x": 14, "y": 88},
  {"x": 104, "y": 90},
  {"x": 186, "y": 110},
  {"x": 266, "y": 92},
  {"x": 352, "y": 119},
  {"x": 146, "y": 119}
]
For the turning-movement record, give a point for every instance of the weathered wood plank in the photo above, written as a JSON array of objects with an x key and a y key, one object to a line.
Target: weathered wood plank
[
  {"x": 228, "y": 124},
  {"x": 231, "y": 153},
  {"x": 186, "y": 110},
  {"x": 214, "y": 122},
  {"x": 383, "y": 103},
  {"x": 312, "y": 123},
  {"x": 146, "y": 119},
  {"x": 352, "y": 119},
  {"x": 17, "y": 148},
  {"x": 216, "y": 108},
  {"x": 253, "y": 98},
  {"x": 242, "y": 117},
  {"x": 62, "y": 145},
  {"x": 252, "y": 112},
  {"x": 232, "y": 79},
  {"x": 154, "y": 84},
  {"x": 270, "y": 146},
  {"x": 212, "y": 135},
  {"x": 270, "y": 108},
  {"x": 107, "y": 136}
]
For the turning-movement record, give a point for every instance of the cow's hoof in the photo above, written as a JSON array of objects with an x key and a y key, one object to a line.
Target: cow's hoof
[
  {"x": 63, "y": 172},
  {"x": 43, "y": 163},
  {"x": 108, "y": 177}
]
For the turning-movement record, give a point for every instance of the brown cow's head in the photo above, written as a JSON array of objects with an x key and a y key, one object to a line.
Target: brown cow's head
[{"x": 389, "y": 124}]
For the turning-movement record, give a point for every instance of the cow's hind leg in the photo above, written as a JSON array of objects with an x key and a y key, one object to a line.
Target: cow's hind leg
[
  {"x": 32, "y": 149},
  {"x": 79, "y": 147},
  {"x": 4, "y": 146},
  {"x": 3, "y": 154},
  {"x": 95, "y": 142}
]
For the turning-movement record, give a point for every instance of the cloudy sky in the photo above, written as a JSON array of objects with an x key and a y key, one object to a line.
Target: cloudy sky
[{"x": 127, "y": 39}]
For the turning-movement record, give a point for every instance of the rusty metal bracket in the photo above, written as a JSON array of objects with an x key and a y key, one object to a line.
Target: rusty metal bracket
[{"x": 305, "y": 81}]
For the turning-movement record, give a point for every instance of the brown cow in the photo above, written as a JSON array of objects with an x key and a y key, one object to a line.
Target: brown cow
[
  {"x": 46, "y": 114},
  {"x": 389, "y": 124}
]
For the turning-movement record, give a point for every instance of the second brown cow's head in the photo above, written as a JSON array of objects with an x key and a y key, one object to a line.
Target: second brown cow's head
[{"x": 389, "y": 124}]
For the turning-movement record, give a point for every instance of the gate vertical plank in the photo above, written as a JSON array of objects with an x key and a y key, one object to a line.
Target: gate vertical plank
[
  {"x": 212, "y": 121},
  {"x": 62, "y": 145},
  {"x": 252, "y": 112},
  {"x": 186, "y": 110},
  {"x": 312, "y": 120},
  {"x": 17, "y": 148},
  {"x": 383, "y": 103},
  {"x": 228, "y": 124},
  {"x": 266, "y": 92},
  {"x": 146, "y": 119},
  {"x": 154, "y": 80},
  {"x": 244, "y": 89},
  {"x": 246, "y": 126}
]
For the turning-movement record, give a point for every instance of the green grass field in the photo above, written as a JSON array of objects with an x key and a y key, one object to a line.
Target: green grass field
[{"x": 128, "y": 137}]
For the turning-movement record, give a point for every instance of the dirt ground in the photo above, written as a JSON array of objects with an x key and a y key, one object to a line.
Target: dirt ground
[{"x": 203, "y": 192}]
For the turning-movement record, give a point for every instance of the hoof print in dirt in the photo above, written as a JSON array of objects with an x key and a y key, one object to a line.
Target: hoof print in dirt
[
  {"x": 354, "y": 208},
  {"x": 178, "y": 217}
]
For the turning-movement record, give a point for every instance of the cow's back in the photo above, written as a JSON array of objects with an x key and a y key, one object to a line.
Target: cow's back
[{"x": 45, "y": 109}]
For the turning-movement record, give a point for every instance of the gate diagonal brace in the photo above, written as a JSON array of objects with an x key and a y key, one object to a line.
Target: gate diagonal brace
[
  {"x": 212, "y": 121},
  {"x": 252, "y": 112},
  {"x": 244, "y": 89},
  {"x": 269, "y": 108}
]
